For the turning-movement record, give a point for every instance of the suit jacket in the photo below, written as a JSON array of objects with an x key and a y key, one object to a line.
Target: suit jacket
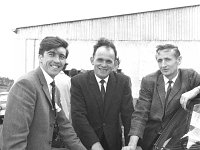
[
  {"x": 29, "y": 118},
  {"x": 149, "y": 117},
  {"x": 91, "y": 117}
]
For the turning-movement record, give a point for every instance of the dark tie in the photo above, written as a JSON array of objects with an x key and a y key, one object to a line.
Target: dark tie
[
  {"x": 53, "y": 94},
  {"x": 56, "y": 139},
  {"x": 169, "y": 88},
  {"x": 103, "y": 92}
]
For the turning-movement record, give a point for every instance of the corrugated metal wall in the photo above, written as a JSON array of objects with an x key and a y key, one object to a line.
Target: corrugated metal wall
[
  {"x": 171, "y": 24},
  {"x": 135, "y": 36}
]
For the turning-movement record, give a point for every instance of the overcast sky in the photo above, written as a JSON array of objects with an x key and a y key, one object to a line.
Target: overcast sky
[{"x": 20, "y": 13}]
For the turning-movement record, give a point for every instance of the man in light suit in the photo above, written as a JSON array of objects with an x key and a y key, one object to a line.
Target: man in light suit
[
  {"x": 33, "y": 109},
  {"x": 155, "y": 107},
  {"x": 96, "y": 107},
  {"x": 63, "y": 82}
]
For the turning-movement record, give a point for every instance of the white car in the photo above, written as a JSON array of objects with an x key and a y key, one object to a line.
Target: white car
[{"x": 3, "y": 100}]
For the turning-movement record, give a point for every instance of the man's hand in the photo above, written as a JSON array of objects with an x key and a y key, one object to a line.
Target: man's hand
[
  {"x": 185, "y": 97},
  {"x": 131, "y": 148},
  {"x": 97, "y": 146},
  {"x": 132, "y": 143}
]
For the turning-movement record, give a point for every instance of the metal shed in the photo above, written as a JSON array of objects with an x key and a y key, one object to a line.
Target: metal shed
[{"x": 135, "y": 36}]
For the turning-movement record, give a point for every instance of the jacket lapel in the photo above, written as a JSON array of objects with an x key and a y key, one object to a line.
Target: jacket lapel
[
  {"x": 161, "y": 89},
  {"x": 44, "y": 84},
  {"x": 109, "y": 92},
  {"x": 96, "y": 91}
]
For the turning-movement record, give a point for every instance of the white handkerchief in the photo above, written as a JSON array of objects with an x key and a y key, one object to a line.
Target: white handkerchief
[{"x": 58, "y": 109}]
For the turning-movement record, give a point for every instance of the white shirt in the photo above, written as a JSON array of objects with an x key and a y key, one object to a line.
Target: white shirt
[
  {"x": 167, "y": 83},
  {"x": 63, "y": 82},
  {"x": 99, "y": 83},
  {"x": 49, "y": 80}
]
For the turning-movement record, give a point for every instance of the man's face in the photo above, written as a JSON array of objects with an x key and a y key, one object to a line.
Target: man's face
[
  {"x": 168, "y": 63},
  {"x": 53, "y": 61},
  {"x": 103, "y": 61}
]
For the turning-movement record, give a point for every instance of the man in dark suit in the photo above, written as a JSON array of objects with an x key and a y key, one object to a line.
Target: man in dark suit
[
  {"x": 159, "y": 97},
  {"x": 96, "y": 107},
  {"x": 33, "y": 108}
]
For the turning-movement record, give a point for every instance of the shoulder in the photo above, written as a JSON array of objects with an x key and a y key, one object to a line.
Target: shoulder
[
  {"x": 189, "y": 74},
  {"x": 187, "y": 71},
  {"x": 152, "y": 77},
  {"x": 120, "y": 75},
  {"x": 27, "y": 81},
  {"x": 82, "y": 76}
]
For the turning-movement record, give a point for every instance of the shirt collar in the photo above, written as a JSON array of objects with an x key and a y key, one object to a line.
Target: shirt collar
[
  {"x": 99, "y": 79},
  {"x": 46, "y": 76},
  {"x": 174, "y": 79}
]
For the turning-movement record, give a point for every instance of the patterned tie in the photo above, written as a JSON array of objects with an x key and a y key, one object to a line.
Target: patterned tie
[
  {"x": 169, "y": 88},
  {"x": 53, "y": 93},
  {"x": 56, "y": 139},
  {"x": 103, "y": 92}
]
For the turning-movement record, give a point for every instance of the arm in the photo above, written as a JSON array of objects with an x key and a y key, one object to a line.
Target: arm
[
  {"x": 142, "y": 109},
  {"x": 132, "y": 143},
  {"x": 194, "y": 88},
  {"x": 79, "y": 116},
  {"x": 187, "y": 96},
  {"x": 18, "y": 116},
  {"x": 126, "y": 109},
  {"x": 67, "y": 132}
]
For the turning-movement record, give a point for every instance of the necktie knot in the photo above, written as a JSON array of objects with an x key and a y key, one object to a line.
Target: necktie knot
[
  {"x": 52, "y": 83},
  {"x": 102, "y": 82},
  {"x": 170, "y": 82}
]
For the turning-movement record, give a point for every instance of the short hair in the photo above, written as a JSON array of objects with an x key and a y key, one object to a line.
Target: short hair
[
  {"x": 105, "y": 42},
  {"x": 73, "y": 72},
  {"x": 64, "y": 67},
  {"x": 118, "y": 61},
  {"x": 170, "y": 47},
  {"x": 51, "y": 42}
]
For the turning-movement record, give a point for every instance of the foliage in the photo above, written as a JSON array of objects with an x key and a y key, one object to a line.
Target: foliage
[{"x": 6, "y": 83}]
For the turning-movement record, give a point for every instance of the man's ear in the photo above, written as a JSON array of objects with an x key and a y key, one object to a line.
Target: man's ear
[
  {"x": 179, "y": 60},
  {"x": 92, "y": 60},
  {"x": 40, "y": 57}
]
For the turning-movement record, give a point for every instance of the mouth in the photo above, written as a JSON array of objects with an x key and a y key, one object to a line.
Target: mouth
[
  {"x": 164, "y": 70},
  {"x": 103, "y": 69},
  {"x": 55, "y": 66}
]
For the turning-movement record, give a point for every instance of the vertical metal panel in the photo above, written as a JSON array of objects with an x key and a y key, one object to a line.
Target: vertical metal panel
[{"x": 171, "y": 24}]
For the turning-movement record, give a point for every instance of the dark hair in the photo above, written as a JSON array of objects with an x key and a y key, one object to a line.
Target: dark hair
[
  {"x": 51, "y": 42},
  {"x": 64, "y": 67},
  {"x": 118, "y": 61},
  {"x": 170, "y": 47},
  {"x": 73, "y": 72},
  {"x": 105, "y": 42}
]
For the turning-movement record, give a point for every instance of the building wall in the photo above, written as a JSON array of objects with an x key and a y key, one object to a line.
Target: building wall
[
  {"x": 135, "y": 36},
  {"x": 171, "y": 24}
]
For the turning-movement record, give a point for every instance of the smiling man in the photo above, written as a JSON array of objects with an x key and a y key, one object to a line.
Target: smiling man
[
  {"x": 34, "y": 119},
  {"x": 159, "y": 97},
  {"x": 98, "y": 98}
]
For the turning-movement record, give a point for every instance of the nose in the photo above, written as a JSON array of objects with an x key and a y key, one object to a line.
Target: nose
[
  {"x": 163, "y": 63},
  {"x": 56, "y": 58},
  {"x": 104, "y": 63}
]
